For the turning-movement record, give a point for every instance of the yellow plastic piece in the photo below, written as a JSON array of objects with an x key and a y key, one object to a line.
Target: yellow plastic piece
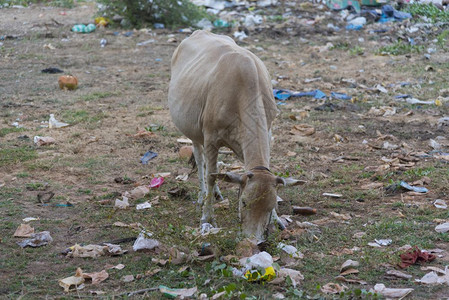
[{"x": 254, "y": 275}]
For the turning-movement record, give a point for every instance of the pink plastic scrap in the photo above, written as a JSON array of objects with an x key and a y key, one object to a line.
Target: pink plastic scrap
[{"x": 156, "y": 182}]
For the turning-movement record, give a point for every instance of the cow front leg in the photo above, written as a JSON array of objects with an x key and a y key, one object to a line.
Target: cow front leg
[{"x": 198, "y": 153}]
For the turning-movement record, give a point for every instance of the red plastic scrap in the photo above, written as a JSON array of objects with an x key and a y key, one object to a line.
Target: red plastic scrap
[{"x": 413, "y": 256}]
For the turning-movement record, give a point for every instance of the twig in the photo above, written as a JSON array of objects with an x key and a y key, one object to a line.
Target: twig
[
  {"x": 56, "y": 22},
  {"x": 133, "y": 293}
]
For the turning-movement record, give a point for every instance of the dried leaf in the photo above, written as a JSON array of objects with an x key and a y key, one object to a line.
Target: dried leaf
[
  {"x": 344, "y": 217},
  {"x": 283, "y": 273},
  {"x": 349, "y": 264},
  {"x": 302, "y": 130},
  {"x": 333, "y": 288}
]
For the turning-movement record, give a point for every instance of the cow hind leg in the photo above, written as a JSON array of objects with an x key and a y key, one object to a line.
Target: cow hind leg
[
  {"x": 211, "y": 167},
  {"x": 198, "y": 153}
]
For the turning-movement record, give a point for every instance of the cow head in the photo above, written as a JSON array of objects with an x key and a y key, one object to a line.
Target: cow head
[{"x": 257, "y": 199}]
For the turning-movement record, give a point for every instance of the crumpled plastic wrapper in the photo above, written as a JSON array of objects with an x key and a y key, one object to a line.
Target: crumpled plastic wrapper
[{"x": 36, "y": 240}]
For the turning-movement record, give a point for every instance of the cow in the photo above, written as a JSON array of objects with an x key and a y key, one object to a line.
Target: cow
[{"x": 221, "y": 95}]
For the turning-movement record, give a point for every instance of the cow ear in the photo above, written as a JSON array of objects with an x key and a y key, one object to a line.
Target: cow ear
[
  {"x": 280, "y": 180},
  {"x": 228, "y": 177}
]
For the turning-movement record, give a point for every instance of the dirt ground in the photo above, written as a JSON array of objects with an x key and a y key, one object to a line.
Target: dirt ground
[{"x": 353, "y": 151}]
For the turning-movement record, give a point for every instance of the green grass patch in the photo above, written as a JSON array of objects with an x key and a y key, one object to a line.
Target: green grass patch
[
  {"x": 9, "y": 156},
  {"x": 81, "y": 116},
  {"x": 428, "y": 10},
  {"x": 400, "y": 48},
  {"x": 5, "y": 131},
  {"x": 97, "y": 95}
]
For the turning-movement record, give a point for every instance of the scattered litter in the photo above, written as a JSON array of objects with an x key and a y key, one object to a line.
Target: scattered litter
[
  {"x": 96, "y": 277},
  {"x": 398, "y": 274},
  {"x": 122, "y": 204},
  {"x": 49, "y": 46},
  {"x": 384, "y": 111},
  {"x": 52, "y": 71},
  {"x": 290, "y": 250},
  {"x": 344, "y": 217},
  {"x": 84, "y": 28},
  {"x": 384, "y": 242},
  {"x": 413, "y": 256},
  {"x": 53, "y": 123},
  {"x": 94, "y": 251},
  {"x": 434, "y": 278},
  {"x": 37, "y": 240},
  {"x": 391, "y": 293},
  {"x": 24, "y": 230},
  {"x": 304, "y": 211},
  {"x": 184, "y": 141},
  {"x": 43, "y": 140},
  {"x": 143, "y": 243},
  {"x": 302, "y": 130},
  {"x": 75, "y": 281},
  {"x": 118, "y": 267},
  {"x": 101, "y": 21},
  {"x": 283, "y": 273},
  {"x": 417, "y": 101},
  {"x": 375, "y": 245},
  {"x": 255, "y": 275},
  {"x": 103, "y": 43},
  {"x": 150, "y": 41},
  {"x": 139, "y": 192},
  {"x": 156, "y": 182},
  {"x": 440, "y": 204},
  {"x": 407, "y": 186},
  {"x": 144, "y": 205},
  {"x": 261, "y": 260},
  {"x": 442, "y": 228},
  {"x": 332, "y": 195},
  {"x": 177, "y": 293},
  {"x": 29, "y": 219},
  {"x": 333, "y": 288},
  {"x": 349, "y": 264},
  {"x": 359, "y": 235},
  {"x": 240, "y": 35},
  {"x": 158, "y": 26},
  {"x": 147, "y": 157},
  {"x": 68, "y": 82},
  {"x": 356, "y": 23},
  {"x": 128, "y": 278},
  {"x": 207, "y": 228},
  {"x": 349, "y": 280},
  {"x": 340, "y": 96},
  {"x": 381, "y": 89},
  {"x": 285, "y": 94},
  {"x": 435, "y": 145},
  {"x": 204, "y": 24}
]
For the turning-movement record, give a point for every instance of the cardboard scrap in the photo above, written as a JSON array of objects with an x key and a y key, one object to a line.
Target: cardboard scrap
[{"x": 24, "y": 230}]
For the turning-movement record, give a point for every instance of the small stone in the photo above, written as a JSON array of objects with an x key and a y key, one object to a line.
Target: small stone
[{"x": 186, "y": 152}]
